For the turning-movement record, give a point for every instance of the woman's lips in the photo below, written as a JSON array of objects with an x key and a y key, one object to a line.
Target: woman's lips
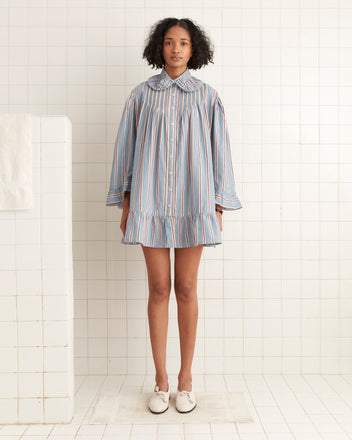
[{"x": 176, "y": 58}]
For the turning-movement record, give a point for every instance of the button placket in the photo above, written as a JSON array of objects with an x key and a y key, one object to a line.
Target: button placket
[{"x": 171, "y": 143}]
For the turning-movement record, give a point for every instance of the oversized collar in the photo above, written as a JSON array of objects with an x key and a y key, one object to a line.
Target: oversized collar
[{"x": 185, "y": 81}]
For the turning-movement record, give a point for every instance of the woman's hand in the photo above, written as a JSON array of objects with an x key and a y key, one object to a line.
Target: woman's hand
[
  {"x": 219, "y": 216},
  {"x": 125, "y": 212},
  {"x": 124, "y": 219}
]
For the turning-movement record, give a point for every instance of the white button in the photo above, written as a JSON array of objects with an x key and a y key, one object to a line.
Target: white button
[
  {"x": 172, "y": 123},
  {"x": 170, "y": 172},
  {"x": 174, "y": 94},
  {"x": 172, "y": 107},
  {"x": 170, "y": 155},
  {"x": 170, "y": 189},
  {"x": 169, "y": 206}
]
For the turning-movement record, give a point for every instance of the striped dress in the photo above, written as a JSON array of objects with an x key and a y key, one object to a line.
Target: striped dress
[{"x": 172, "y": 152}]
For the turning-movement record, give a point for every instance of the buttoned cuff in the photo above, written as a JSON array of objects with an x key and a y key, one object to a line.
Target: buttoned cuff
[
  {"x": 116, "y": 195},
  {"x": 227, "y": 202}
]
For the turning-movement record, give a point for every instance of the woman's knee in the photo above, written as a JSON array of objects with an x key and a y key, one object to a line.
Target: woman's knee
[
  {"x": 185, "y": 290},
  {"x": 160, "y": 290}
]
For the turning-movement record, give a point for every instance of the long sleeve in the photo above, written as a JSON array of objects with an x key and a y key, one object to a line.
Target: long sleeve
[
  {"x": 122, "y": 166},
  {"x": 225, "y": 194}
]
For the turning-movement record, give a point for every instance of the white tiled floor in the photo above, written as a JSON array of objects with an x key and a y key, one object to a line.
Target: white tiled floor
[{"x": 289, "y": 407}]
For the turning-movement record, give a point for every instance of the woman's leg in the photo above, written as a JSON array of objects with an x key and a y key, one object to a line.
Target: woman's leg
[
  {"x": 186, "y": 272},
  {"x": 159, "y": 282}
]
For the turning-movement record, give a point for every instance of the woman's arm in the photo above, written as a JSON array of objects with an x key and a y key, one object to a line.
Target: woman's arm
[
  {"x": 122, "y": 166},
  {"x": 225, "y": 194}
]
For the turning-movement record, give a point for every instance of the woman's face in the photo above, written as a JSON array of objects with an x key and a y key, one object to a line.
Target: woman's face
[{"x": 177, "y": 48}]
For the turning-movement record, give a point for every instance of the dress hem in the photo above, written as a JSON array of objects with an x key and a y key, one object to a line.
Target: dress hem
[
  {"x": 172, "y": 231},
  {"x": 131, "y": 243}
]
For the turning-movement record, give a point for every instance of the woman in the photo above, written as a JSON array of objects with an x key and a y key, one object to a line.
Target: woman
[{"x": 172, "y": 176}]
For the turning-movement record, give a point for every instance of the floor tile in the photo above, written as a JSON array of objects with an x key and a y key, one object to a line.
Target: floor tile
[{"x": 284, "y": 407}]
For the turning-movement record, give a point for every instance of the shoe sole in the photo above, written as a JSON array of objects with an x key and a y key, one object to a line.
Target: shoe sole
[
  {"x": 185, "y": 412},
  {"x": 160, "y": 412}
]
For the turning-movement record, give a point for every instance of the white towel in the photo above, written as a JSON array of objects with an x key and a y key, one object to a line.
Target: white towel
[{"x": 16, "y": 189}]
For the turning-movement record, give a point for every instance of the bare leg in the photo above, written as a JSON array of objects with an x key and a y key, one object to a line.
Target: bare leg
[
  {"x": 159, "y": 282},
  {"x": 186, "y": 272}
]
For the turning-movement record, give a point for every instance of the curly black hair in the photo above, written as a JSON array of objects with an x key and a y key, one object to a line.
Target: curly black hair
[{"x": 202, "y": 46}]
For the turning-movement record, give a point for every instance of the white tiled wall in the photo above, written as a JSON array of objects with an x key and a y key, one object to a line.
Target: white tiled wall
[
  {"x": 36, "y": 290},
  {"x": 276, "y": 296}
]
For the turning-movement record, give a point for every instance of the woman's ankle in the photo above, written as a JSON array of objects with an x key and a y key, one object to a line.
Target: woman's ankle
[
  {"x": 184, "y": 376},
  {"x": 162, "y": 380}
]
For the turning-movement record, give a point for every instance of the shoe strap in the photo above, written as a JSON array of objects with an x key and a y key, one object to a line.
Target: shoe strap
[
  {"x": 187, "y": 394},
  {"x": 162, "y": 394}
]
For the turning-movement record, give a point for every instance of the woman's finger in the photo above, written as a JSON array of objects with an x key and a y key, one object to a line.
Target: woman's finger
[
  {"x": 220, "y": 220},
  {"x": 123, "y": 222}
]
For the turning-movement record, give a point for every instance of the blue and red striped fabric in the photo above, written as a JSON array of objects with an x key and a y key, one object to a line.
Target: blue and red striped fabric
[{"x": 172, "y": 152}]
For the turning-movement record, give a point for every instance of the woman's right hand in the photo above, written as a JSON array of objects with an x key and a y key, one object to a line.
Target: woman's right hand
[
  {"x": 125, "y": 212},
  {"x": 124, "y": 220}
]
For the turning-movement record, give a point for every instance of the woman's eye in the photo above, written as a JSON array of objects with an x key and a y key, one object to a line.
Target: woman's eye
[{"x": 183, "y": 42}]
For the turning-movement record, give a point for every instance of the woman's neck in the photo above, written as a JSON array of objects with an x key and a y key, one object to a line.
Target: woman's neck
[{"x": 174, "y": 73}]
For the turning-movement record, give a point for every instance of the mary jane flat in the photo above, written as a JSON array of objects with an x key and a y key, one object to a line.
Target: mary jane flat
[
  {"x": 159, "y": 402},
  {"x": 185, "y": 401}
]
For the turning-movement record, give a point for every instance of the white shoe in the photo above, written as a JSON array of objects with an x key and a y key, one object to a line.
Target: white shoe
[
  {"x": 185, "y": 401},
  {"x": 159, "y": 402}
]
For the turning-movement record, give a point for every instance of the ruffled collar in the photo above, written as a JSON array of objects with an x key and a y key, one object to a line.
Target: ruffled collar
[{"x": 185, "y": 81}]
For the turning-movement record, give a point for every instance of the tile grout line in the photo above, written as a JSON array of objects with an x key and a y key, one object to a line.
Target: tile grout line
[
  {"x": 107, "y": 298},
  {"x": 340, "y": 368},
  {"x": 301, "y": 376},
  {"x": 322, "y": 376},
  {"x": 254, "y": 406},
  {"x": 278, "y": 406}
]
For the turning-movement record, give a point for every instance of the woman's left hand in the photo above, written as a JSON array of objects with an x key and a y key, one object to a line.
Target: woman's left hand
[{"x": 219, "y": 216}]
